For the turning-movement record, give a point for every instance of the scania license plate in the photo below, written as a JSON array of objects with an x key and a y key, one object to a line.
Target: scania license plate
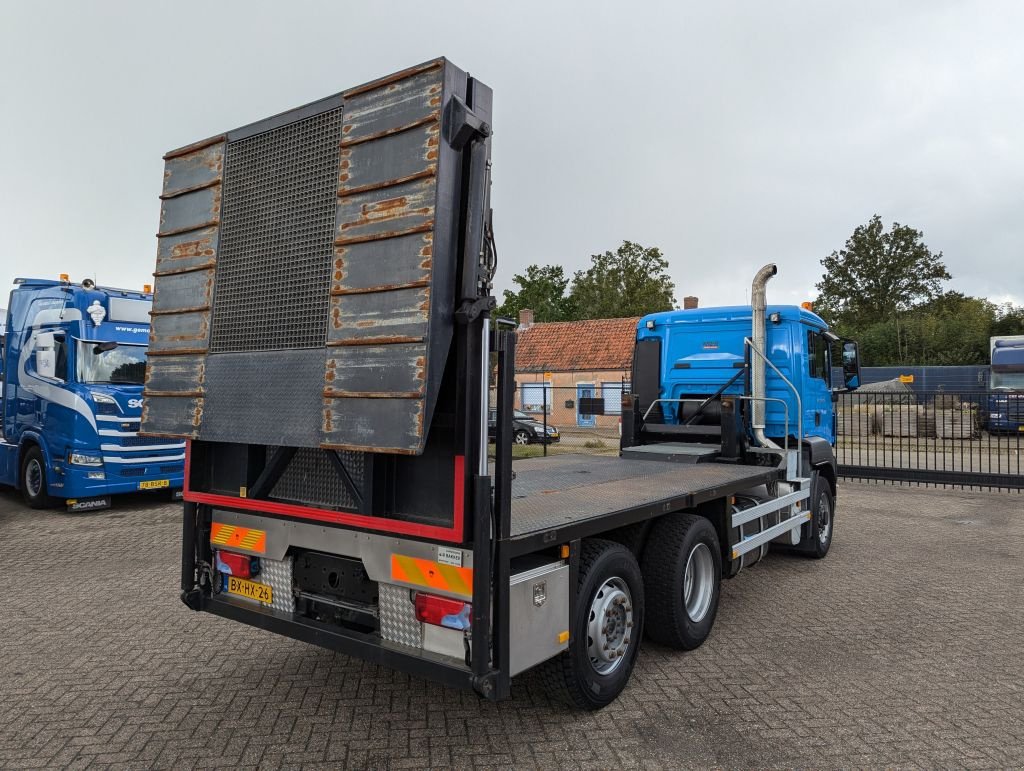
[
  {"x": 154, "y": 484},
  {"x": 250, "y": 590}
]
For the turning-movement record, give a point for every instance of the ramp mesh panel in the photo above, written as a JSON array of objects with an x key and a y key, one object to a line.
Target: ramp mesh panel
[
  {"x": 311, "y": 479},
  {"x": 277, "y": 231}
]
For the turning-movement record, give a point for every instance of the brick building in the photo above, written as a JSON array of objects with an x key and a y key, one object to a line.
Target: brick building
[{"x": 558, "y": 363}]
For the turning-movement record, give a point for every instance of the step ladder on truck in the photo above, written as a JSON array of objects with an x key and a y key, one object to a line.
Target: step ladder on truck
[{"x": 322, "y": 323}]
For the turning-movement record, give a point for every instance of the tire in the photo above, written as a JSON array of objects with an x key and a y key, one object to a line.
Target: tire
[
  {"x": 521, "y": 437},
  {"x": 681, "y": 607},
  {"x": 823, "y": 511},
  {"x": 589, "y": 675},
  {"x": 33, "y": 480}
]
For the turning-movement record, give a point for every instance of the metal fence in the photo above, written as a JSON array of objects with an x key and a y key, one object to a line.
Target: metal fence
[
  {"x": 964, "y": 439},
  {"x": 931, "y": 438},
  {"x": 582, "y": 418}
]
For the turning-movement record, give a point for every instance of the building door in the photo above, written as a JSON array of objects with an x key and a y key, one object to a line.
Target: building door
[{"x": 584, "y": 392}]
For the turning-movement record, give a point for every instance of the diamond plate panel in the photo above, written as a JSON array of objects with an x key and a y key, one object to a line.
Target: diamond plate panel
[
  {"x": 398, "y": 617},
  {"x": 277, "y": 574}
]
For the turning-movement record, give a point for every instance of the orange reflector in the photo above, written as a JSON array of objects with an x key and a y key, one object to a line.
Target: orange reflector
[
  {"x": 421, "y": 572},
  {"x": 563, "y": 551},
  {"x": 235, "y": 537},
  {"x": 563, "y": 638}
]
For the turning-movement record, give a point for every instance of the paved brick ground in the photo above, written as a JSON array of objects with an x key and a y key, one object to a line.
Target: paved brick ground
[{"x": 905, "y": 647}]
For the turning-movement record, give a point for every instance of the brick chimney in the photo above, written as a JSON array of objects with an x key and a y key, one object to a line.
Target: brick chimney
[
  {"x": 689, "y": 303},
  {"x": 525, "y": 318}
]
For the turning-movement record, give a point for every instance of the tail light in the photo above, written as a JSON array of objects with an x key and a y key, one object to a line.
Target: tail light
[
  {"x": 239, "y": 565},
  {"x": 442, "y": 611}
]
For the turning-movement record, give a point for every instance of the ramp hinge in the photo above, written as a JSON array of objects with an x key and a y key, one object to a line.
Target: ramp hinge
[
  {"x": 464, "y": 124},
  {"x": 469, "y": 311}
]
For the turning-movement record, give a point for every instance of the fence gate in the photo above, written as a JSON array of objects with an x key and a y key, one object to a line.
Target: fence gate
[{"x": 964, "y": 439}]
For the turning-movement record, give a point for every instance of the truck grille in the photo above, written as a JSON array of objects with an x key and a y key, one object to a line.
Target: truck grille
[{"x": 277, "y": 237}]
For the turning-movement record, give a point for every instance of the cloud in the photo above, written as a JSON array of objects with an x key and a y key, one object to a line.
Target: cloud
[{"x": 728, "y": 134}]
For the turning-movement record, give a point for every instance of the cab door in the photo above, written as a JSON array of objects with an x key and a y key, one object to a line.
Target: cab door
[{"x": 817, "y": 393}]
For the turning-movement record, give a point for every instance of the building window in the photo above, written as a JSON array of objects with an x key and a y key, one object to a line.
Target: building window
[
  {"x": 611, "y": 393},
  {"x": 536, "y": 397}
]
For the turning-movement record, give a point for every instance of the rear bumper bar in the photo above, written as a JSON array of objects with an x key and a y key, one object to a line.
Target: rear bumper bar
[{"x": 368, "y": 647}]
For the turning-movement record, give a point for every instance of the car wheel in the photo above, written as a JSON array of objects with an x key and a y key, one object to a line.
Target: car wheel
[{"x": 521, "y": 437}]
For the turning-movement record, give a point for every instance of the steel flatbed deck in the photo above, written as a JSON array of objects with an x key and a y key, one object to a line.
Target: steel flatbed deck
[{"x": 564, "y": 497}]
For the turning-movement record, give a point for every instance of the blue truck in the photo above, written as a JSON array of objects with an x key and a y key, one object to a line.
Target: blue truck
[
  {"x": 349, "y": 500},
  {"x": 1005, "y": 400},
  {"x": 73, "y": 369}
]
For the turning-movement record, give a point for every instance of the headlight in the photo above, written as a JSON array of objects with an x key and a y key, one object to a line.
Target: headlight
[
  {"x": 102, "y": 398},
  {"x": 552, "y": 430},
  {"x": 84, "y": 459}
]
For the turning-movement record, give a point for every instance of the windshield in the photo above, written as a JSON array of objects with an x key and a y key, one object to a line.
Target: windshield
[
  {"x": 1014, "y": 381},
  {"x": 125, "y": 364}
]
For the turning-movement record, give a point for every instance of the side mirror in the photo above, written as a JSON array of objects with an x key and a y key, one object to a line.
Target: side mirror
[
  {"x": 851, "y": 365},
  {"x": 46, "y": 357}
]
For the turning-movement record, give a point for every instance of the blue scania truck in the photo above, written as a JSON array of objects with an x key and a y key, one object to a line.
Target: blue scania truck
[{"x": 73, "y": 368}]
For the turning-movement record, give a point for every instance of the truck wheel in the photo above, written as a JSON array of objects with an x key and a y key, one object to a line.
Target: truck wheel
[
  {"x": 605, "y": 633},
  {"x": 682, "y": 569},
  {"x": 823, "y": 509},
  {"x": 521, "y": 437},
  {"x": 33, "y": 480}
]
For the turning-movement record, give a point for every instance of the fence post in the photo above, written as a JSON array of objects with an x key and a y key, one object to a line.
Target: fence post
[{"x": 544, "y": 440}]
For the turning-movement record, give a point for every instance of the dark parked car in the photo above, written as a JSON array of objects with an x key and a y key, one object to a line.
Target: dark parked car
[{"x": 525, "y": 429}]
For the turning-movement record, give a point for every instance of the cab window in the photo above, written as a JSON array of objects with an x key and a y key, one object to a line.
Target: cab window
[{"x": 817, "y": 356}]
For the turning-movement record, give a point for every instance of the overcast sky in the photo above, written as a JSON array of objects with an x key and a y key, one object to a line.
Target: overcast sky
[{"x": 727, "y": 134}]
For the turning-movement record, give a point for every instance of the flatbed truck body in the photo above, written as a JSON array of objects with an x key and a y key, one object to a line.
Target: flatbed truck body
[{"x": 338, "y": 488}]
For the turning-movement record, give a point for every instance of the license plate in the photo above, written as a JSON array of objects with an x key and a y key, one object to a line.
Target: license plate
[
  {"x": 250, "y": 590},
  {"x": 154, "y": 484}
]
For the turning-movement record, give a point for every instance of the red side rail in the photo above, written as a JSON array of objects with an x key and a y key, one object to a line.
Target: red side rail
[{"x": 451, "y": 534}]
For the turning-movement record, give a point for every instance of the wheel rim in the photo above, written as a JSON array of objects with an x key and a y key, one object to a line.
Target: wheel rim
[
  {"x": 610, "y": 626},
  {"x": 698, "y": 582},
  {"x": 522, "y": 438},
  {"x": 33, "y": 477},
  {"x": 824, "y": 520}
]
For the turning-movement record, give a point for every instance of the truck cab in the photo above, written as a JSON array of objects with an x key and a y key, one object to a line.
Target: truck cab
[
  {"x": 702, "y": 350},
  {"x": 1005, "y": 413},
  {"x": 73, "y": 366}
]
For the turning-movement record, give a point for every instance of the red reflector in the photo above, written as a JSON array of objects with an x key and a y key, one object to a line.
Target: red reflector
[
  {"x": 441, "y": 611},
  {"x": 239, "y": 565}
]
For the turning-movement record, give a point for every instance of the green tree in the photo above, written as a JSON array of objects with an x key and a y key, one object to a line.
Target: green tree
[
  {"x": 542, "y": 290},
  {"x": 951, "y": 329},
  {"x": 1009, "y": 320},
  {"x": 879, "y": 274},
  {"x": 631, "y": 281}
]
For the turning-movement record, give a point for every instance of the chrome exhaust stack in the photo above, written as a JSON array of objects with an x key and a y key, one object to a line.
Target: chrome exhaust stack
[{"x": 759, "y": 305}]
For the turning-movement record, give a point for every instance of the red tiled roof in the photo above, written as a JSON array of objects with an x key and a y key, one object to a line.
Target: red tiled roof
[{"x": 581, "y": 346}]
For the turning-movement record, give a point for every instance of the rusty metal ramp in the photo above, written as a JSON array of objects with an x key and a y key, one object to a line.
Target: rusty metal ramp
[{"x": 306, "y": 272}]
